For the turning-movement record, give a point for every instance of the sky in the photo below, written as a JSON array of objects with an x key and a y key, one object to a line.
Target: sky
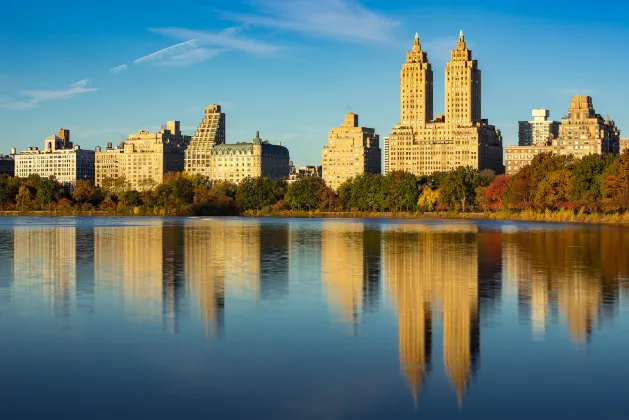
[{"x": 291, "y": 68}]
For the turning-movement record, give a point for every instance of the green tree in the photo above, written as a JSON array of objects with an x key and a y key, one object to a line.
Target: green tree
[
  {"x": 587, "y": 175},
  {"x": 403, "y": 191},
  {"x": 459, "y": 187},
  {"x": 8, "y": 191},
  {"x": 258, "y": 193},
  {"x": 304, "y": 193},
  {"x": 85, "y": 192},
  {"x": 48, "y": 191}
]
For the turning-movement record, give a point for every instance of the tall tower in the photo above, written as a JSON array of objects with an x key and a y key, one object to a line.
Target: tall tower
[
  {"x": 416, "y": 96},
  {"x": 463, "y": 87}
]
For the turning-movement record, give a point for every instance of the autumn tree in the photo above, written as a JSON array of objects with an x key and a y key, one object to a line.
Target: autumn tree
[{"x": 459, "y": 187}]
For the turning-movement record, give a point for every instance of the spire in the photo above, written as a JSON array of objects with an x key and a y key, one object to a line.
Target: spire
[
  {"x": 416, "y": 45},
  {"x": 461, "y": 33},
  {"x": 416, "y": 35}
]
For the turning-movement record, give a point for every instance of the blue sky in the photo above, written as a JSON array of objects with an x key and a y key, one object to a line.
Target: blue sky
[{"x": 291, "y": 68}]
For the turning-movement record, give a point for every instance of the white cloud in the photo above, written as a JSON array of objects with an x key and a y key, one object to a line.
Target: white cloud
[
  {"x": 34, "y": 97},
  {"x": 343, "y": 20},
  {"x": 228, "y": 39},
  {"x": 188, "y": 58},
  {"x": 118, "y": 69},
  {"x": 168, "y": 52}
]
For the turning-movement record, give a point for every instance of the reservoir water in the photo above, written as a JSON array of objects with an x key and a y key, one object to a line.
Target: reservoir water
[{"x": 242, "y": 318}]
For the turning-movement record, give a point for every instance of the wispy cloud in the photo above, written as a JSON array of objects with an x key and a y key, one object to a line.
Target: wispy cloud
[
  {"x": 168, "y": 52},
  {"x": 34, "y": 97},
  {"x": 344, "y": 20},
  {"x": 191, "y": 57},
  {"x": 228, "y": 39},
  {"x": 118, "y": 69}
]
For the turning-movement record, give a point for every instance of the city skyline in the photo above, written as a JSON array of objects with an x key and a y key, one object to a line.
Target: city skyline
[{"x": 262, "y": 58}]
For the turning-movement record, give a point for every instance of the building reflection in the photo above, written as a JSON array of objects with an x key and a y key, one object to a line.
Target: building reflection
[
  {"x": 44, "y": 264},
  {"x": 350, "y": 269},
  {"x": 567, "y": 273},
  {"x": 434, "y": 272}
]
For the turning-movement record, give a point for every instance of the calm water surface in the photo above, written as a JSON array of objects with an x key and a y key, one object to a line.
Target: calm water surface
[{"x": 312, "y": 319}]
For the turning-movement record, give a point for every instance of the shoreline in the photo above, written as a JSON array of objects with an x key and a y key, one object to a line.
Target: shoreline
[{"x": 561, "y": 216}]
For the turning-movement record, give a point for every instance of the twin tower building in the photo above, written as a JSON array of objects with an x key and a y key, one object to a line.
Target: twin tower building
[{"x": 423, "y": 143}]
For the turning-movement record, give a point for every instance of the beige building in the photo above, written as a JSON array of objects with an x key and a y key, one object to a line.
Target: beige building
[
  {"x": 351, "y": 151},
  {"x": 386, "y": 155},
  {"x": 60, "y": 158},
  {"x": 145, "y": 157},
  {"x": 624, "y": 145},
  {"x": 539, "y": 131},
  {"x": 582, "y": 132},
  {"x": 517, "y": 157},
  {"x": 107, "y": 163},
  {"x": 235, "y": 162},
  {"x": 303, "y": 172},
  {"x": 211, "y": 131},
  {"x": 421, "y": 144}
]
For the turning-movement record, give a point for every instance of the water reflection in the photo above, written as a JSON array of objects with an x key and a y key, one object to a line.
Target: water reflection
[{"x": 442, "y": 282}]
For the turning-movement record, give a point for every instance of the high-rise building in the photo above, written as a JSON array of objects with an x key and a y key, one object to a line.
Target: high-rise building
[
  {"x": 235, "y": 162},
  {"x": 539, "y": 131},
  {"x": 422, "y": 145},
  {"x": 351, "y": 151},
  {"x": 146, "y": 157},
  {"x": 582, "y": 132},
  {"x": 211, "y": 131},
  {"x": 60, "y": 158}
]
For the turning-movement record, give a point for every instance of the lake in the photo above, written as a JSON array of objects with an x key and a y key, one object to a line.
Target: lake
[{"x": 217, "y": 318}]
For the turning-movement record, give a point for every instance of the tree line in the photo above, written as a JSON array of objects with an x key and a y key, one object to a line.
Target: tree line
[{"x": 593, "y": 184}]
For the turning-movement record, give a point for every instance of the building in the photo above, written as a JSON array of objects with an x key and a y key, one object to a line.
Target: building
[
  {"x": 59, "y": 158},
  {"x": 581, "y": 132},
  {"x": 539, "y": 131},
  {"x": 351, "y": 151},
  {"x": 7, "y": 165},
  {"x": 211, "y": 131},
  {"x": 517, "y": 157},
  {"x": 235, "y": 162},
  {"x": 624, "y": 145},
  {"x": 584, "y": 132},
  {"x": 386, "y": 155},
  {"x": 421, "y": 144},
  {"x": 146, "y": 157},
  {"x": 303, "y": 172},
  {"x": 107, "y": 163}
]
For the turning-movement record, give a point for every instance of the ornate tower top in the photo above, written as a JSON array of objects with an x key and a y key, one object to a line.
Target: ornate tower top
[{"x": 460, "y": 45}]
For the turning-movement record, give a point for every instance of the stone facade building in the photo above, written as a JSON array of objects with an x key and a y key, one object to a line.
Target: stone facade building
[
  {"x": 421, "y": 144},
  {"x": 235, "y": 162},
  {"x": 146, "y": 157},
  {"x": 59, "y": 158},
  {"x": 624, "y": 145},
  {"x": 539, "y": 131},
  {"x": 581, "y": 132},
  {"x": 351, "y": 151},
  {"x": 107, "y": 163},
  {"x": 211, "y": 131}
]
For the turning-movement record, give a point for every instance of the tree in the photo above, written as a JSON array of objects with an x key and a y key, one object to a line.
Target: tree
[
  {"x": 587, "y": 175},
  {"x": 8, "y": 190},
  {"x": 257, "y": 193},
  {"x": 428, "y": 199},
  {"x": 85, "y": 192},
  {"x": 402, "y": 191},
  {"x": 304, "y": 193},
  {"x": 554, "y": 190},
  {"x": 615, "y": 185},
  {"x": 48, "y": 191},
  {"x": 494, "y": 194},
  {"x": 459, "y": 187},
  {"x": 24, "y": 198}
]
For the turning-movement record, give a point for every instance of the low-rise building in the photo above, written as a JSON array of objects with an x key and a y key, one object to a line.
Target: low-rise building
[
  {"x": 7, "y": 165},
  {"x": 303, "y": 172},
  {"x": 59, "y": 158},
  {"x": 517, "y": 157},
  {"x": 235, "y": 162},
  {"x": 624, "y": 145},
  {"x": 351, "y": 151}
]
